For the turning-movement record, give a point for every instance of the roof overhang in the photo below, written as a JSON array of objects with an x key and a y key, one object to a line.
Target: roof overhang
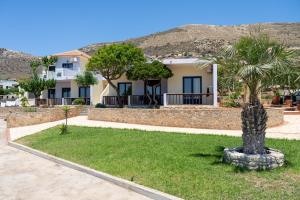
[{"x": 187, "y": 61}]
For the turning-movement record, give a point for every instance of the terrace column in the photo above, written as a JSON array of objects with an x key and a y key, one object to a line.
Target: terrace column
[
  {"x": 91, "y": 95},
  {"x": 165, "y": 99},
  {"x": 129, "y": 100},
  {"x": 215, "y": 85}
]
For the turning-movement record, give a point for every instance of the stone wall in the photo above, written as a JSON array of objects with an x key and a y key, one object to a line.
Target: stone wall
[
  {"x": 21, "y": 118},
  {"x": 7, "y": 110},
  {"x": 206, "y": 118}
]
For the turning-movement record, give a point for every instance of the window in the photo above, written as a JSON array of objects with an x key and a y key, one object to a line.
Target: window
[
  {"x": 52, "y": 68},
  {"x": 192, "y": 84},
  {"x": 84, "y": 92},
  {"x": 51, "y": 93},
  {"x": 66, "y": 92},
  {"x": 125, "y": 88},
  {"x": 67, "y": 65}
]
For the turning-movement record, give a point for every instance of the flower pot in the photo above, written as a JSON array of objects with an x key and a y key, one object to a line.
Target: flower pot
[
  {"x": 289, "y": 103},
  {"x": 276, "y": 100}
]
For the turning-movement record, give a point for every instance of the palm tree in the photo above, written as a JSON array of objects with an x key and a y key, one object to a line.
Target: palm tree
[{"x": 258, "y": 59}]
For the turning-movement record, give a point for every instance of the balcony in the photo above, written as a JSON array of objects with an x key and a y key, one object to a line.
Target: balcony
[{"x": 61, "y": 74}]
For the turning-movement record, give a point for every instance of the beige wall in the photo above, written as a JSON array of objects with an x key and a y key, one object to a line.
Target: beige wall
[
  {"x": 83, "y": 62},
  {"x": 175, "y": 83},
  {"x": 74, "y": 89},
  {"x": 95, "y": 91}
]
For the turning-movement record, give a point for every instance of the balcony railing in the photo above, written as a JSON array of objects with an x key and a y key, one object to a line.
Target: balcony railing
[
  {"x": 166, "y": 99},
  {"x": 60, "y": 101},
  {"x": 61, "y": 74},
  {"x": 114, "y": 100},
  {"x": 137, "y": 100},
  {"x": 190, "y": 99}
]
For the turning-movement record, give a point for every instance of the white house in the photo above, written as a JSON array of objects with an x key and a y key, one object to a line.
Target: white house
[{"x": 69, "y": 64}]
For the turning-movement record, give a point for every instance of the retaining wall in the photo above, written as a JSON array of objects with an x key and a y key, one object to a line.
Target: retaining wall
[
  {"x": 20, "y": 118},
  {"x": 206, "y": 118}
]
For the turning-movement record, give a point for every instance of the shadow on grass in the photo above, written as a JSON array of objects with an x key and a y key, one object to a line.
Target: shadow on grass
[{"x": 217, "y": 155}]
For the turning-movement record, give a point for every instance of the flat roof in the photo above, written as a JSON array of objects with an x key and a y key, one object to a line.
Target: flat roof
[{"x": 181, "y": 61}]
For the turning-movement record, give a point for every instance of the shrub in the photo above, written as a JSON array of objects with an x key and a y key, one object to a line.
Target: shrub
[
  {"x": 232, "y": 100},
  {"x": 100, "y": 105},
  {"x": 78, "y": 101}
]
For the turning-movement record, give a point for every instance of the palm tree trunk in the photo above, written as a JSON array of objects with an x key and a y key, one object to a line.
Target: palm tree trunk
[{"x": 254, "y": 120}]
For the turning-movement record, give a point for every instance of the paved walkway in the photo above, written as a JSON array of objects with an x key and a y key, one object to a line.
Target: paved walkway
[
  {"x": 289, "y": 130},
  {"x": 25, "y": 176}
]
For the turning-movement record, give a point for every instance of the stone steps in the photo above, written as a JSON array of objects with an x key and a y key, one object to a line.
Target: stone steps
[{"x": 84, "y": 111}]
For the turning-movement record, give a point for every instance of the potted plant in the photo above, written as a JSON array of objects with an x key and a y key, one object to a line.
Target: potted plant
[{"x": 276, "y": 98}]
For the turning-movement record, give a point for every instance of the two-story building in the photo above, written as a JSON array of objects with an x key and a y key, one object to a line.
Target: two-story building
[{"x": 70, "y": 64}]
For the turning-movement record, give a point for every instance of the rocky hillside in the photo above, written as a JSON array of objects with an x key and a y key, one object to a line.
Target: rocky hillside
[
  {"x": 190, "y": 40},
  {"x": 15, "y": 65},
  {"x": 205, "y": 40}
]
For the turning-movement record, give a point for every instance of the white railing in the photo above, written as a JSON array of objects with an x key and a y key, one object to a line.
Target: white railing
[{"x": 61, "y": 74}]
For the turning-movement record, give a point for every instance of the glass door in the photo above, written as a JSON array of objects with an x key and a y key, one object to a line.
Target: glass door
[
  {"x": 153, "y": 88},
  {"x": 66, "y": 92},
  {"x": 51, "y": 93},
  {"x": 192, "y": 89}
]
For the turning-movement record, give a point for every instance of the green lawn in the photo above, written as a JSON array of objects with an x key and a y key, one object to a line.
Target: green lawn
[{"x": 188, "y": 166}]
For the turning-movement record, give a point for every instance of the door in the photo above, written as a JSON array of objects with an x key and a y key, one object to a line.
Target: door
[
  {"x": 66, "y": 92},
  {"x": 192, "y": 89},
  {"x": 153, "y": 88},
  {"x": 125, "y": 89},
  {"x": 51, "y": 93},
  {"x": 84, "y": 92}
]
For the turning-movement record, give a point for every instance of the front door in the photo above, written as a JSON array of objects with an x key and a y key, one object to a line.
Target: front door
[
  {"x": 66, "y": 92},
  {"x": 84, "y": 92},
  {"x": 51, "y": 93},
  {"x": 153, "y": 88},
  {"x": 192, "y": 89},
  {"x": 125, "y": 89}
]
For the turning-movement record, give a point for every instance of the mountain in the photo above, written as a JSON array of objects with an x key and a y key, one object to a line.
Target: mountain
[
  {"x": 15, "y": 65},
  {"x": 205, "y": 40},
  {"x": 190, "y": 40}
]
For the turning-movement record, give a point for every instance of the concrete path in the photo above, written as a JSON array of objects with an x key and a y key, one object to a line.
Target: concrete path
[
  {"x": 289, "y": 130},
  {"x": 25, "y": 176}
]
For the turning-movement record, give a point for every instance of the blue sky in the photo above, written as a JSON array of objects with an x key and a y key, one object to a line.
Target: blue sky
[{"x": 42, "y": 27}]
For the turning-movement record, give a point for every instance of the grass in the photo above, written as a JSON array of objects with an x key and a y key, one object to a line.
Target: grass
[{"x": 188, "y": 166}]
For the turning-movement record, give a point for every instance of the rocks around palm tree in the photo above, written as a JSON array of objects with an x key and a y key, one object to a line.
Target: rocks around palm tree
[{"x": 258, "y": 59}]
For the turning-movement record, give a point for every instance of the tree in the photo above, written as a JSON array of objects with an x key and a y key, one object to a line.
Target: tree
[
  {"x": 257, "y": 58},
  {"x": 35, "y": 84},
  {"x": 112, "y": 62},
  {"x": 145, "y": 71},
  {"x": 64, "y": 126},
  {"x": 48, "y": 61},
  {"x": 86, "y": 79}
]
